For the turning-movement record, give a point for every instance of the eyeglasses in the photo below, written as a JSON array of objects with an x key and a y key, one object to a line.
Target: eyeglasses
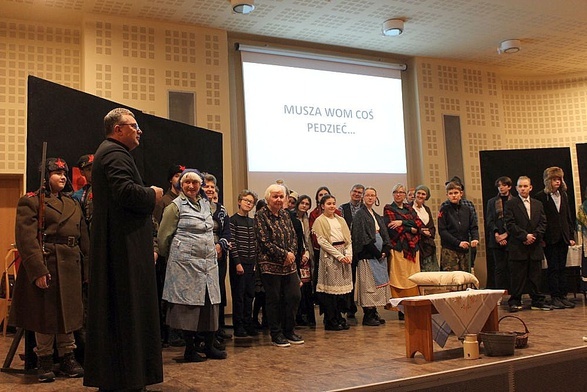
[
  {"x": 132, "y": 125},
  {"x": 400, "y": 192},
  {"x": 248, "y": 201}
]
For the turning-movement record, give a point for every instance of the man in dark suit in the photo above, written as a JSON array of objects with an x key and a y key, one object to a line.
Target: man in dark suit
[
  {"x": 526, "y": 223},
  {"x": 559, "y": 234},
  {"x": 348, "y": 211}
]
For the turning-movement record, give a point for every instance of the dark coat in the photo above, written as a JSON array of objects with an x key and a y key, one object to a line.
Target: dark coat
[
  {"x": 123, "y": 347},
  {"x": 493, "y": 222},
  {"x": 456, "y": 223},
  {"x": 427, "y": 244},
  {"x": 519, "y": 226},
  {"x": 57, "y": 309},
  {"x": 560, "y": 223}
]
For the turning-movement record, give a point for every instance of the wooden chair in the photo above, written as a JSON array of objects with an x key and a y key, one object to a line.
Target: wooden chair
[{"x": 6, "y": 300}]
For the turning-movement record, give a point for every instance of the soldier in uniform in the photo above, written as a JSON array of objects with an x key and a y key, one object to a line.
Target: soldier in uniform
[{"x": 47, "y": 293}]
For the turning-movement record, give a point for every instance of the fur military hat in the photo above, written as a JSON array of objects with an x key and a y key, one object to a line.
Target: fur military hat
[
  {"x": 85, "y": 161},
  {"x": 56, "y": 164}
]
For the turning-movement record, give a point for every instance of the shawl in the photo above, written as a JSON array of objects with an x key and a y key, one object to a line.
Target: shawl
[
  {"x": 499, "y": 206},
  {"x": 321, "y": 228},
  {"x": 402, "y": 239}
]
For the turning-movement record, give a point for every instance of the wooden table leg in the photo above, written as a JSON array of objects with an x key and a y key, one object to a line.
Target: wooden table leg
[
  {"x": 419, "y": 329},
  {"x": 492, "y": 323}
]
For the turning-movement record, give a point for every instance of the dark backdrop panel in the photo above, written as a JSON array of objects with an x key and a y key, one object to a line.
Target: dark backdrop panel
[
  {"x": 515, "y": 163},
  {"x": 582, "y": 163},
  {"x": 529, "y": 162},
  {"x": 72, "y": 124},
  {"x": 174, "y": 143}
]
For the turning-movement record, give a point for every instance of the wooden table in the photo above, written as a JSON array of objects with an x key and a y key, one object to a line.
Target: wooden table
[{"x": 418, "y": 319}]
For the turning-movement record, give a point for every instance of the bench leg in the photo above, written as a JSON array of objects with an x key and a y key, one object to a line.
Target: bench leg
[{"x": 419, "y": 331}]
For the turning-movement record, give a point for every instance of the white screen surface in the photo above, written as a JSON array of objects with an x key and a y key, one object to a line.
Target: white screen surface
[
  {"x": 312, "y": 123},
  {"x": 331, "y": 116}
]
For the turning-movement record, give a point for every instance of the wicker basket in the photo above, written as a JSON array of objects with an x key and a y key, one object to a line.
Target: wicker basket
[
  {"x": 521, "y": 337},
  {"x": 498, "y": 344}
]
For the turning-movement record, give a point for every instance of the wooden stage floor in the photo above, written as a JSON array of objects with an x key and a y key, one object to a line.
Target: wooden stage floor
[{"x": 355, "y": 359}]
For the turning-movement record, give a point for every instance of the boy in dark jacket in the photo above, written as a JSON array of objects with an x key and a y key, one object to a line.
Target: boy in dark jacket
[{"x": 458, "y": 231}]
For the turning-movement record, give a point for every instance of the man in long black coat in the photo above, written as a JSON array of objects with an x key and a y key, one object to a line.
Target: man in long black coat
[{"x": 123, "y": 349}]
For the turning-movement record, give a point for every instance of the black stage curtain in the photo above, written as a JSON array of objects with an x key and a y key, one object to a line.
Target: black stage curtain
[
  {"x": 515, "y": 163},
  {"x": 72, "y": 124}
]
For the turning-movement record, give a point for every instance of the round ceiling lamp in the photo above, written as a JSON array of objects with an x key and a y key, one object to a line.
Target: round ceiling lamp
[
  {"x": 510, "y": 46},
  {"x": 242, "y": 7},
  {"x": 393, "y": 27}
]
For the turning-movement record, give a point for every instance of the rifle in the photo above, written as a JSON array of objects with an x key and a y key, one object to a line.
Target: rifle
[{"x": 41, "y": 212}]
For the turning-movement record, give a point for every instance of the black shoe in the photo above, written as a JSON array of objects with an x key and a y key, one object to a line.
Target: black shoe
[
  {"x": 370, "y": 321},
  {"x": 223, "y": 334},
  {"x": 351, "y": 319},
  {"x": 219, "y": 345},
  {"x": 214, "y": 353},
  {"x": 280, "y": 341},
  {"x": 333, "y": 327},
  {"x": 193, "y": 357},
  {"x": 45, "y": 369},
  {"x": 381, "y": 321},
  {"x": 556, "y": 303},
  {"x": 240, "y": 332},
  {"x": 70, "y": 367},
  {"x": 293, "y": 338},
  {"x": 513, "y": 308},
  {"x": 567, "y": 304},
  {"x": 401, "y": 316},
  {"x": 210, "y": 349},
  {"x": 541, "y": 306}
]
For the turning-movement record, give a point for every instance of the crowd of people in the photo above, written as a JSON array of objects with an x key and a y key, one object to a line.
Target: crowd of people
[{"x": 136, "y": 269}]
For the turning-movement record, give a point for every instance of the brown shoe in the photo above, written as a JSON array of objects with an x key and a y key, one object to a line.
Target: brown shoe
[
  {"x": 45, "y": 369},
  {"x": 70, "y": 367}
]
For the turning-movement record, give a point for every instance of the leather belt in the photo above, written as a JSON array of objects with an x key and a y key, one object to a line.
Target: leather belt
[
  {"x": 338, "y": 243},
  {"x": 70, "y": 241}
]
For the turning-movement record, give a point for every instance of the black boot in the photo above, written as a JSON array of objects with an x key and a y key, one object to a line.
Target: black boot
[
  {"x": 70, "y": 367},
  {"x": 369, "y": 317},
  {"x": 191, "y": 342},
  {"x": 209, "y": 348},
  {"x": 45, "y": 368}
]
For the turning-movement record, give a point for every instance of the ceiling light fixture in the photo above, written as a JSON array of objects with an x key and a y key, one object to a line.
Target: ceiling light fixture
[
  {"x": 510, "y": 46},
  {"x": 393, "y": 27},
  {"x": 242, "y": 7}
]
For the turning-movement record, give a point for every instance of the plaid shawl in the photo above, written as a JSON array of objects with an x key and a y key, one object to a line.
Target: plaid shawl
[{"x": 402, "y": 239}]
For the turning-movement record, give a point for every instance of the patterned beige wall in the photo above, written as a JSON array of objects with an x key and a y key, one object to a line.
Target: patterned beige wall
[
  {"x": 473, "y": 94},
  {"x": 49, "y": 51},
  {"x": 495, "y": 113},
  {"x": 548, "y": 112},
  {"x": 120, "y": 59}
]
